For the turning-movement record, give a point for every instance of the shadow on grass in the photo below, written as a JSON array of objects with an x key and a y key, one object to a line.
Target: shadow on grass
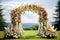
[
  {"x": 50, "y": 38},
  {"x": 30, "y": 37},
  {"x": 35, "y": 37}
]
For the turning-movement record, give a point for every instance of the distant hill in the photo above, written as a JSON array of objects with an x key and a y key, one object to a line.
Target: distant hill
[
  {"x": 6, "y": 24},
  {"x": 28, "y": 24},
  {"x": 24, "y": 25}
]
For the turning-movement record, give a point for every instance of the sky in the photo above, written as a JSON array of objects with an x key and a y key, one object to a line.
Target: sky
[{"x": 29, "y": 17}]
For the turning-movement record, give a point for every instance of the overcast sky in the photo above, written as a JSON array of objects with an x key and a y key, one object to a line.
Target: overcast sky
[{"x": 29, "y": 17}]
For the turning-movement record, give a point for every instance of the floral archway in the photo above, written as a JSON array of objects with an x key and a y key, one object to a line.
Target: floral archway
[{"x": 16, "y": 18}]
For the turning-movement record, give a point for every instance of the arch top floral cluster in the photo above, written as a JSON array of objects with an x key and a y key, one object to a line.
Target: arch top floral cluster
[{"x": 31, "y": 7}]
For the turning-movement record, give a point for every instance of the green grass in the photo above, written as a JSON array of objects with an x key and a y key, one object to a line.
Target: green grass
[{"x": 31, "y": 35}]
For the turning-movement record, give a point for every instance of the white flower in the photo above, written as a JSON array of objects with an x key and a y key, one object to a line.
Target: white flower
[{"x": 15, "y": 36}]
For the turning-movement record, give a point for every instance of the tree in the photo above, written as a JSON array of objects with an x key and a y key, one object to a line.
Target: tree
[
  {"x": 57, "y": 17},
  {"x": 2, "y": 25}
]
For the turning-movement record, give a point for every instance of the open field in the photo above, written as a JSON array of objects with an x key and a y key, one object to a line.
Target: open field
[{"x": 31, "y": 35}]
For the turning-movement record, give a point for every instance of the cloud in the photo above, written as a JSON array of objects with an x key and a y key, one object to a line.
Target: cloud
[
  {"x": 50, "y": 14},
  {"x": 28, "y": 16}
]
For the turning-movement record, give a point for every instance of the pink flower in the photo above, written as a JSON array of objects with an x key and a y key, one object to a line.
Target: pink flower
[{"x": 10, "y": 27}]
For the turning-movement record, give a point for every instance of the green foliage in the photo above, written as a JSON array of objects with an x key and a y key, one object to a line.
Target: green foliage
[
  {"x": 57, "y": 16},
  {"x": 31, "y": 28},
  {"x": 1, "y": 19}
]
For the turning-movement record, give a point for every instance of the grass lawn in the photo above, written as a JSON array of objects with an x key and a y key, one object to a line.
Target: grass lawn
[{"x": 31, "y": 35}]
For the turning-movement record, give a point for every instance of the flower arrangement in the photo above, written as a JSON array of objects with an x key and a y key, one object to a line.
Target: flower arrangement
[
  {"x": 13, "y": 29},
  {"x": 10, "y": 32},
  {"x": 49, "y": 31}
]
